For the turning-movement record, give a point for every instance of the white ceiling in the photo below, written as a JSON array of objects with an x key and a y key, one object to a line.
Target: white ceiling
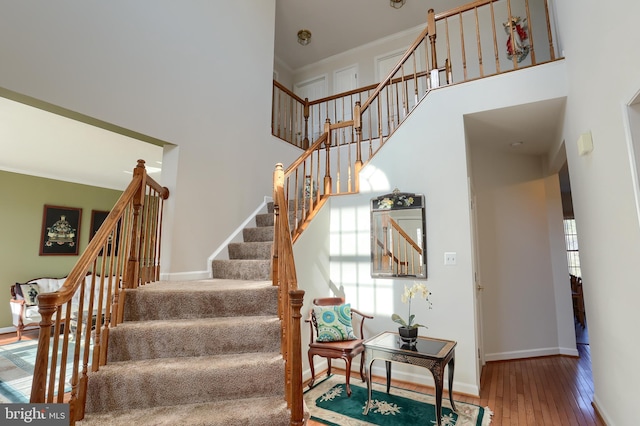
[
  {"x": 340, "y": 25},
  {"x": 41, "y": 143}
]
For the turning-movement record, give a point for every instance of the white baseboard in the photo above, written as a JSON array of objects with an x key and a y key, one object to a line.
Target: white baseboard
[
  {"x": 530, "y": 353},
  {"x": 601, "y": 412},
  {"x": 12, "y": 329}
]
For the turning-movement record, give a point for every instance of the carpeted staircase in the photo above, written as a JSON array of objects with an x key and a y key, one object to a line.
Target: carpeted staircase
[{"x": 199, "y": 352}]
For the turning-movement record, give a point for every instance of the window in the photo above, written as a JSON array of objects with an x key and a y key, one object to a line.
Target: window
[{"x": 571, "y": 241}]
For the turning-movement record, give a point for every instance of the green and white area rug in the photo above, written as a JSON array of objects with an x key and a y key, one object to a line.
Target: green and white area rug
[
  {"x": 17, "y": 361},
  {"x": 328, "y": 403}
]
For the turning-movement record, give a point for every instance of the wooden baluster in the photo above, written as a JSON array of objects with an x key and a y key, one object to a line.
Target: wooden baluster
[
  {"x": 305, "y": 144},
  {"x": 464, "y": 52},
  {"x": 357, "y": 124},
  {"x": 531, "y": 49},
  {"x": 448, "y": 60},
  {"x": 475, "y": 9},
  {"x": 512, "y": 33},
  {"x": 552, "y": 51},
  {"x": 495, "y": 38}
]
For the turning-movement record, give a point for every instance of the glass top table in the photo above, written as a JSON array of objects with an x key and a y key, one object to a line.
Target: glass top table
[{"x": 430, "y": 353}]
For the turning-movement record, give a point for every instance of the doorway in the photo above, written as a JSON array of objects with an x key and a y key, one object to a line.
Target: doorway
[{"x": 573, "y": 258}]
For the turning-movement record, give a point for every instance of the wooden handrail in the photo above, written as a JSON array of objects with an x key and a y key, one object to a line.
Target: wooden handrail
[
  {"x": 289, "y": 299},
  {"x": 128, "y": 243}
]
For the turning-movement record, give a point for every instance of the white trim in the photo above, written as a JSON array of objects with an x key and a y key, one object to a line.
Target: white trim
[
  {"x": 235, "y": 234},
  {"x": 531, "y": 353},
  {"x": 13, "y": 329},
  {"x": 598, "y": 406},
  {"x": 631, "y": 149},
  {"x": 282, "y": 64},
  {"x": 83, "y": 181}
]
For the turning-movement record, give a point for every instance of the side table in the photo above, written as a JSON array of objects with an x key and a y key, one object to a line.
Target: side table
[{"x": 433, "y": 354}]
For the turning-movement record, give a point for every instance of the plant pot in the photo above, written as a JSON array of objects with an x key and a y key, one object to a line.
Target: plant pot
[{"x": 408, "y": 335}]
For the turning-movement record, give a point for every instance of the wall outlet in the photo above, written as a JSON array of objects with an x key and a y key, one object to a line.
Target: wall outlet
[{"x": 449, "y": 258}]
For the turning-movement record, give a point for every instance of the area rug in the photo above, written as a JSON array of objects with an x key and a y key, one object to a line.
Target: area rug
[
  {"x": 17, "y": 361},
  {"x": 328, "y": 403}
]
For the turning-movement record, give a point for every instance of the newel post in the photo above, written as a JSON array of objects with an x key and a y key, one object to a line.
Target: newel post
[
  {"x": 295, "y": 357},
  {"x": 133, "y": 264},
  {"x": 39, "y": 384},
  {"x": 431, "y": 26}
]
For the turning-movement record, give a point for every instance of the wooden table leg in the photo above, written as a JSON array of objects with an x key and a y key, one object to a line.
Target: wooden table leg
[
  {"x": 388, "y": 365},
  {"x": 367, "y": 376},
  {"x": 451, "y": 368}
]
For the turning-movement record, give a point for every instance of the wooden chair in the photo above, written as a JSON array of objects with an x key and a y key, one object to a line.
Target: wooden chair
[
  {"x": 578, "y": 300},
  {"x": 345, "y": 349}
]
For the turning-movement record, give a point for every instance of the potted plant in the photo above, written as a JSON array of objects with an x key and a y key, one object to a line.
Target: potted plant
[{"x": 408, "y": 330}]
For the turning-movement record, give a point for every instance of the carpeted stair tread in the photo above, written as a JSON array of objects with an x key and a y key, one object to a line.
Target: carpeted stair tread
[
  {"x": 193, "y": 337},
  {"x": 242, "y": 269},
  {"x": 262, "y": 233},
  {"x": 200, "y": 299},
  {"x": 267, "y": 411},
  {"x": 252, "y": 250},
  {"x": 175, "y": 381}
]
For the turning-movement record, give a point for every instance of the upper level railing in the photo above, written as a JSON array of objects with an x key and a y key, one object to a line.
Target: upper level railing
[
  {"x": 463, "y": 44},
  {"x": 74, "y": 331}
]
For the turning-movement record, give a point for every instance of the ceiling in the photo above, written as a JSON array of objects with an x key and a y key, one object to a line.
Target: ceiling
[
  {"x": 64, "y": 145},
  {"x": 339, "y": 25},
  {"x": 66, "y": 149},
  {"x": 528, "y": 129}
]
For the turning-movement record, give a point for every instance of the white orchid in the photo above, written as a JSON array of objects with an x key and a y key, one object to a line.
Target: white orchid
[{"x": 410, "y": 293}]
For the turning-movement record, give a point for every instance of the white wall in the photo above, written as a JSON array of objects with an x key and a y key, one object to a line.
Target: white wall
[
  {"x": 197, "y": 74},
  {"x": 427, "y": 155},
  {"x": 521, "y": 238},
  {"x": 596, "y": 42}
]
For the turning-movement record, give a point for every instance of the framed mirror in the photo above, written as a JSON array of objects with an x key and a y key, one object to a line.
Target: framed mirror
[{"x": 398, "y": 236}]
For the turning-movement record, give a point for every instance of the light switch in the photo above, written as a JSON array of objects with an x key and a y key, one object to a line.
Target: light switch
[{"x": 450, "y": 258}]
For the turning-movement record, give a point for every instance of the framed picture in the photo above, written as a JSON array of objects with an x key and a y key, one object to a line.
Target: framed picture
[
  {"x": 60, "y": 230},
  {"x": 97, "y": 218}
]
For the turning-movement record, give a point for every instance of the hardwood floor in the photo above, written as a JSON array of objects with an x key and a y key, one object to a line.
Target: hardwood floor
[
  {"x": 554, "y": 390},
  {"x": 7, "y": 338}
]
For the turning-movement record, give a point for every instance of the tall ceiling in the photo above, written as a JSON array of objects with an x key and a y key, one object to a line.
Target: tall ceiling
[
  {"x": 340, "y": 25},
  {"x": 64, "y": 145}
]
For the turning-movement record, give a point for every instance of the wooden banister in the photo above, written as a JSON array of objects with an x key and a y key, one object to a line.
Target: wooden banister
[{"x": 90, "y": 301}]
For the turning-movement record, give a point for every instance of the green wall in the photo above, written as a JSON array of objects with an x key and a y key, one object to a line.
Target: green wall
[{"x": 22, "y": 200}]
